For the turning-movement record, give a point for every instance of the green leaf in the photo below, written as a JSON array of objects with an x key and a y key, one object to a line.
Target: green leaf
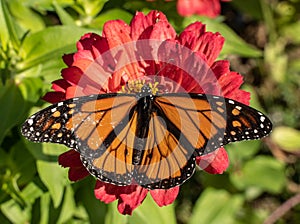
[
  {"x": 113, "y": 216},
  {"x": 277, "y": 60},
  {"x": 45, "y": 204},
  {"x": 239, "y": 151},
  {"x": 68, "y": 206},
  {"x": 53, "y": 176},
  {"x": 23, "y": 163},
  {"x": 8, "y": 30},
  {"x": 149, "y": 212},
  {"x": 287, "y": 138},
  {"x": 31, "y": 192},
  {"x": 12, "y": 109},
  {"x": 91, "y": 7},
  {"x": 95, "y": 209},
  {"x": 25, "y": 17},
  {"x": 233, "y": 43},
  {"x": 49, "y": 44},
  {"x": 262, "y": 172},
  {"x": 17, "y": 214},
  {"x": 216, "y": 206},
  {"x": 31, "y": 89},
  {"x": 64, "y": 17},
  {"x": 112, "y": 14},
  {"x": 291, "y": 32}
]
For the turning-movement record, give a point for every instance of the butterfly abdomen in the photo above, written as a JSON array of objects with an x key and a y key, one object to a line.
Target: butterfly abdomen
[{"x": 144, "y": 109}]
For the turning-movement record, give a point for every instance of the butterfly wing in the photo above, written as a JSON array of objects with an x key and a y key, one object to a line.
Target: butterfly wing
[
  {"x": 165, "y": 162},
  {"x": 208, "y": 122},
  {"x": 102, "y": 129},
  {"x": 193, "y": 125},
  {"x": 96, "y": 126}
]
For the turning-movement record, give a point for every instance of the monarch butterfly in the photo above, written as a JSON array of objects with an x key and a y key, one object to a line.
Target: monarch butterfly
[{"x": 145, "y": 138}]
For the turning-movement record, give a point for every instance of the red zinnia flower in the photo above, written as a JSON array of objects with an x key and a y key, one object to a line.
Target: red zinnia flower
[
  {"x": 102, "y": 64},
  {"x": 210, "y": 8}
]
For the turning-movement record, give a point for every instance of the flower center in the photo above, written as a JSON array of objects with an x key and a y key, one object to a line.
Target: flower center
[{"x": 138, "y": 86}]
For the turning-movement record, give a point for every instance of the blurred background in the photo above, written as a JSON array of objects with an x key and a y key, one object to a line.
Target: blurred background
[{"x": 262, "y": 44}]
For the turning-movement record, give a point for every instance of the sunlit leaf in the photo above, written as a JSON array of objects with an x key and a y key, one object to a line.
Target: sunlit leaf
[
  {"x": 45, "y": 204},
  {"x": 113, "y": 216},
  {"x": 17, "y": 214},
  {"x": 262, "y": 172},
  {"x": 8, "y": 30},
  {"x": 64, "y": 17},
  {"x": 25, "y": 17},
  {"x": 31, "y": 89},
  {"x": 91, "y": 7},
  {"x": 216, "y": 206},
  {"x": 53, "y": 175},
  {"x": 287, "y": 138},
  {"x": 68, "y": 206},
  {"x": 49, "y": 44},
  {"x": 149, "y": 212}
]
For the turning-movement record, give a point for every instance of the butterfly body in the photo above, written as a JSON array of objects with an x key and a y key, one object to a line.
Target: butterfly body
[{"x": 149, "y": 139}]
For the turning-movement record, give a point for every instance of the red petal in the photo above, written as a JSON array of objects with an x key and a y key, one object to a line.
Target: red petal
[
  {"x": 77, "y": 173},
  {"x": 210, "y": 8},
  {"x": 68, "y": 59},
  {"x": 130, "y": 196},
  {"x": 215, "y": 162},
  {"x": 54, "y": 97},
  {"x": 140, "y": 22},
  {"x": 70, "y": 158},
  {"x": 191, "y": 32},
  {"x": 106, "y": 192},
  {"x": 210, "y": 44},
  {"x": 60, "y": 85},
  {"x": 164, "y": 197},
  {"x": 230, "y": 84},
  {"x": 117, "y": 32},
  {"x": 130, "y": 200},
  {"x": 220, "y": 68}
]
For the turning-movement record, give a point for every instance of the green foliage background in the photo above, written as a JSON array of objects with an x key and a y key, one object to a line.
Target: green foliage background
[{"x": 262, "y": 43}]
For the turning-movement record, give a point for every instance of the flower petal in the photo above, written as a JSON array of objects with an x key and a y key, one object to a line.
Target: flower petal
[
  {"x": 130, "y": 196},
  {"x": 106, "y": 192},
  {"x": 215, "y": 162},
  {"x": 130, "y": 200},
  {"x": 140, "y": 22},
  {"x": 117, "y": 32},
  {"x": 72, "y": 160},
  {"x": 210, "y": 8},
  {"x": 54, "y": 97},
  {"x": 164, "y": 197}
]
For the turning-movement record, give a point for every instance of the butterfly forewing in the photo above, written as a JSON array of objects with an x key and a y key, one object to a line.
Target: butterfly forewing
[{"x": 82, "y": 123}]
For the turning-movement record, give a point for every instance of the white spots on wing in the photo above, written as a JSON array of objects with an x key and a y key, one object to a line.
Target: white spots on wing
[
  {"x": 30, "y": 121},
  {"x": 231, "y": 101},
  {"x": 238, "y": 107}
]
